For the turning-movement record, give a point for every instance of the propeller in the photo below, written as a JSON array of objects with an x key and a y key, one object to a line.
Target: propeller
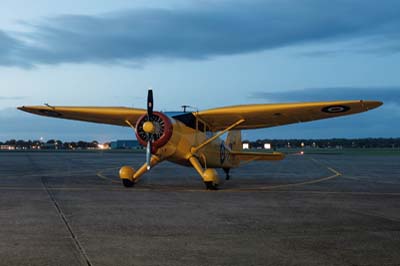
[
  {"x": 149, "y": 103},
  {"x": 148, "y": 127},
  {"x": 153, "y": 129}
]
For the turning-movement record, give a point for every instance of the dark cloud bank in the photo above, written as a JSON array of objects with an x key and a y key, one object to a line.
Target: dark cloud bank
[{"x": 200, "y": 32}]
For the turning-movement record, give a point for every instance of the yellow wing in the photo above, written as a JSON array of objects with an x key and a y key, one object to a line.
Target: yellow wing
[
  {"x": 270, "y": 115},
  {"x": 104, "y": 115}
]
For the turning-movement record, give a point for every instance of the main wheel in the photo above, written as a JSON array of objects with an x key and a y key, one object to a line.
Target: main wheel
[
  {"x": 211, "y": 186},
  {"x": 127, "y": 183},
  {"x": 210, "y": 178},
  {"x": 126, "y": 174}
]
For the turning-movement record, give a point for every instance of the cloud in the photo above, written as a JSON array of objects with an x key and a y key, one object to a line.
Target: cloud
[
  {"x": 8, "y": 45},
  {"x": 200, "y": 31},
  {"x": 385, "y": 94},
  {"x": 11, "y": 98},
  {"x": 20, "y": 125}
]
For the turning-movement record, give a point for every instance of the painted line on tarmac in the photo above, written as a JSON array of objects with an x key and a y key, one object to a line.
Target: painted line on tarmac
[
  {"x": 335, "y": 174},
  {"x": 104, "y": 177},
  {"x": 309, "y": 182}
]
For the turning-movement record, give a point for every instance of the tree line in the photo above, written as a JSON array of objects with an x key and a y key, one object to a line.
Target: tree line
[
  {"x": 275, "y": 143},
  {"x": 50, "y": 144},
  {"x": 328, "y": 143}
]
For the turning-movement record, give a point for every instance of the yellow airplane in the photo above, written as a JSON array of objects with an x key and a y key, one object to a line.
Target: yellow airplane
[{"x": 193, "y": 138}]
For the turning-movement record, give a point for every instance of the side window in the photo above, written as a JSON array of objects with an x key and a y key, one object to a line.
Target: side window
[{"x": 209, "y": 134}]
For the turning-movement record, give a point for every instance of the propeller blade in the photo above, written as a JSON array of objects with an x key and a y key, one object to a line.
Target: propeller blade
[
  {"x": 148, "y": 154},
  {"x": 150, "y": 103}
]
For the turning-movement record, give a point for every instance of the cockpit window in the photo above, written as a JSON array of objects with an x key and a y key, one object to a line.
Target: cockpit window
[{"x": 187, "y": 118}]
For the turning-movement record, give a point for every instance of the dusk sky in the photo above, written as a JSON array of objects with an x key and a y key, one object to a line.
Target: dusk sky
[{"x": 201, "y": 53}]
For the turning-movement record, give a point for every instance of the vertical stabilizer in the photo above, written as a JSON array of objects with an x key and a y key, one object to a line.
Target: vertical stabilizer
[{"x": 234, "y": 140}]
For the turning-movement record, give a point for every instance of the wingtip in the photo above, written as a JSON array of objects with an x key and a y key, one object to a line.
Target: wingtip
[{"x": 372, "y": 104}]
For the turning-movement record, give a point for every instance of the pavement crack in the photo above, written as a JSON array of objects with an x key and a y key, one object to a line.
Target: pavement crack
[
  {"x": 66, "y": 223},
  {"x": 62, "y": 216}
]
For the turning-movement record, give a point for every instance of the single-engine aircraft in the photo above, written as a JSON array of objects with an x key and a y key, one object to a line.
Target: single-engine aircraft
[{"x": 193, "y": 138}]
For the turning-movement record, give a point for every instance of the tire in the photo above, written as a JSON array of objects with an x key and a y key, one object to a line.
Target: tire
[
  {"x": 211, "y": 186},
  {"x": 127, "y": 183}
]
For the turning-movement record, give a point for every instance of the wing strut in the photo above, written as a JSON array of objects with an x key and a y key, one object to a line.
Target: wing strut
[
  {"x": 130, "y": 124},
  {"x": 195, "y": 149}
]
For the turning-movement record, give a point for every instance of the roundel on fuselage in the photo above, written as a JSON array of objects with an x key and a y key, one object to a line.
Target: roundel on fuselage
[{"x": 223, "y": 153}]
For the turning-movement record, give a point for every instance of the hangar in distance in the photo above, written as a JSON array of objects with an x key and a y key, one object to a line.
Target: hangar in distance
[{"x": 193, "y": 138}]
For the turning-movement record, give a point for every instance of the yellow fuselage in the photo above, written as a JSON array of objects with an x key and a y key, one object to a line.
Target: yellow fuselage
[{"x": 179, "y": 148}]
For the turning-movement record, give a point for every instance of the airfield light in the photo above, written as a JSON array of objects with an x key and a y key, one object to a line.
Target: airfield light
[
  {"x": 302, "y": 153},
  {"x": 104, "y": 146}
]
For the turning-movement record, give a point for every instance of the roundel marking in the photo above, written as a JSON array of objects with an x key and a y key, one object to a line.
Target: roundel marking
[{"x": 333, "y": 109}]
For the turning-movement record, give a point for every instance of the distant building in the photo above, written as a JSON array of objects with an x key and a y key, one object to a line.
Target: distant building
[
  {"x": 246, "y": 145},
  {"x": 125, "y": 144},
  {"x": 267, "y": 146},
  {"x": 7, "y": 147}
]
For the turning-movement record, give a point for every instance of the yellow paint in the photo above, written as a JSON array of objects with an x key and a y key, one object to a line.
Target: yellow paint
[{"x": 126, "y": 172}]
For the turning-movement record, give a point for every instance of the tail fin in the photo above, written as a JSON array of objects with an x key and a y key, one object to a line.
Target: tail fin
[{"x": 234, "y": 140}]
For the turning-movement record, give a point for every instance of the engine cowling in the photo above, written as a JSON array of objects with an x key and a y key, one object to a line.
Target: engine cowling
[{"x": 162, "y": 130}]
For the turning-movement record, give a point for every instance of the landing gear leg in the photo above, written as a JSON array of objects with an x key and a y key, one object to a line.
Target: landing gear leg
[
  {"x": 210, "y": 176},
  {"x": 129, "y": 176}
]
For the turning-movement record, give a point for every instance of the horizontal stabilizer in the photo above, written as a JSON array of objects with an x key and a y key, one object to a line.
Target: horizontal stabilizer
[{"x": 258, "y": 156}]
